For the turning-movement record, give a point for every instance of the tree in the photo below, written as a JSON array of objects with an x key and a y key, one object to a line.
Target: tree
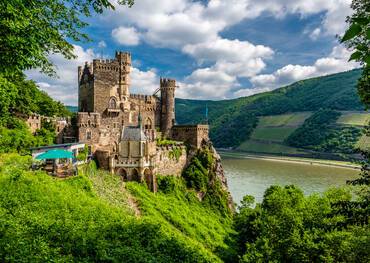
[
  {"x": 32, "y": 29},
  {"x": 289, "y": 227},
  {"x": 357, "y": 37}
]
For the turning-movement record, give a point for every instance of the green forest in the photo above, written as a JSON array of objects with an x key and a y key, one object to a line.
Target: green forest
[
  {"x": 96, "y": 217},
  {"x": 335, "y": 92}
]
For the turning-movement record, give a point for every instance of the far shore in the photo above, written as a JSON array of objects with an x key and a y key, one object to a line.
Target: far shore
[{"x": 288, "y": 159}]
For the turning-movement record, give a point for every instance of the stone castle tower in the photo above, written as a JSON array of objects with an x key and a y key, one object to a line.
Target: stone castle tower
[
  {"x": 167, "y": 87},
  {"x": 104, "y": 81},
  {"x": 106, "y": 105}
]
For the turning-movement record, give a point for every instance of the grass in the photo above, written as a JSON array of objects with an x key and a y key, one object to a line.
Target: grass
[
  {"x": 88, "y": 218},
  {"x": 354, "y": 118},
  {"x": 291, "y": 119},
  {"x": 271, "y": 132},
  {"x": 267, "y": 147},
  {"x": 182, "y": 211},
  {"x": 275, "y": 134}
]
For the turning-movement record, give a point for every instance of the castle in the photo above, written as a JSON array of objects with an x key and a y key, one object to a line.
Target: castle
[{"x": 123, "y": 130}]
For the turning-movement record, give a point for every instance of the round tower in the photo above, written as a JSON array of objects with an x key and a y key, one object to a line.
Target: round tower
[
  {"x": 124, "y": 60},
  {"x": 167, "y": 87}
]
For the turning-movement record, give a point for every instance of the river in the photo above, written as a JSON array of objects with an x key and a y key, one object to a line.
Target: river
[{"x": 253, "y": 176}]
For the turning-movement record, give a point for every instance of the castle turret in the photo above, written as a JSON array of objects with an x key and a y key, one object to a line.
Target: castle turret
[
  {"x": 167, "y": 87},
  {"x": 124, "y": 60}
]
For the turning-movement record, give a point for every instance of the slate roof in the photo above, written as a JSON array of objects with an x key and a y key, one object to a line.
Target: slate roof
[{"x": 133, "y": 134}]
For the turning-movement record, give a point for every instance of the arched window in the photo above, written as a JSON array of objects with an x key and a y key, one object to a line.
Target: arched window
[
  {"x": 88, "y": 135},
  {"x": 112, "y": 103},
  {"x": 148, "y": 124}
]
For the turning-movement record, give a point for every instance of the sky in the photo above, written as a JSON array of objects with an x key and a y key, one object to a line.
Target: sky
[{"x": 216, "y": 49}]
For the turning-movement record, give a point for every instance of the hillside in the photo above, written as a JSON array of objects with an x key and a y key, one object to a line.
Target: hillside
[
  {"x": 96, "y": 217},
  {"x": 239, "y": 117}
]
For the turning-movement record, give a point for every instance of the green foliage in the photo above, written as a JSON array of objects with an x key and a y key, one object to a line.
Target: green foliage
[
  {"x": 32, "y": 29},
  {"x": 314, "y": 130},
  {"x": 341, "y": 140},
  {"x": 175, "y": 153},
  {"x": 200, "y": 176},
  {"x": 239, "y": 117},
  {"x": 22, "y": 97},
  {"x": 171, "y": 184},
  {"x": 165, "y": 142},
  {"x": 15, "y": 136},
  {"x": 19, "y": 139},
  {"x": 197, "y": 174},
  {"x": 288, "y": 227},
  {"x": 320, "y": 134},
  {"x": 43, "y": 219},
  {"x": 357, "y": 38},
  {"x": 363, "y": 87},
  {"x": 179, "y": 211},
  {"x": 82, "y": 156}
]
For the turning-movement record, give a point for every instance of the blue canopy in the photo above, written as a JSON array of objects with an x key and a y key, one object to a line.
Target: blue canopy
[{"x": 55, "y": 154}]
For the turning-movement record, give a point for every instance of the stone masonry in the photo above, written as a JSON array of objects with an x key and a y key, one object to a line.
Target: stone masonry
[{"x": 121, "y": 129}]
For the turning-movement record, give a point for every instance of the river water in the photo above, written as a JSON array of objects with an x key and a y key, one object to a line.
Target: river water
[{"x": 253, "y": 176}]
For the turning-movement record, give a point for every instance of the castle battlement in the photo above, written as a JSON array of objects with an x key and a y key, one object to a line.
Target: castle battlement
[
  {"x": 88, "y": 119},
  {"x": 193, "y": 134},
  {"x": 166, "y": 82},
  {"x": 123, "y": 57},
  {"x": 147, "y": 98}
]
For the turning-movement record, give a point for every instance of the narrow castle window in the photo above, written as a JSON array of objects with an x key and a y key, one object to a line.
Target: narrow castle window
[
  {"x": 88, "y": 135},
  {"x": 112, "y": 103}
]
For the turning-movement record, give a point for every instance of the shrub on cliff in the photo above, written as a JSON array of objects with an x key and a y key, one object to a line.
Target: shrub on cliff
[{"x": 200, "y": 176}]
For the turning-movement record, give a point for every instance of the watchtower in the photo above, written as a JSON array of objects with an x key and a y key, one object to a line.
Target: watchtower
[
  {"x": 167, "y": 87},
  {"x": 101, "y": 80}
]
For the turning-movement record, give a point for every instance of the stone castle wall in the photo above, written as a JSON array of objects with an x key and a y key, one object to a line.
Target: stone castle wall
[
  {"x": 167, "y": 164},
  {"x": 34, "y": 122},
  {"x": 191, "y": 134}
]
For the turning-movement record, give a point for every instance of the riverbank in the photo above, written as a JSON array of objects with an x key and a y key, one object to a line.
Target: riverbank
[{"x": 288, "y": 159}]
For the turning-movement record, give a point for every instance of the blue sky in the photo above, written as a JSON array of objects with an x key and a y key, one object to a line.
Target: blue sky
[{"x": 215, "y": 49}]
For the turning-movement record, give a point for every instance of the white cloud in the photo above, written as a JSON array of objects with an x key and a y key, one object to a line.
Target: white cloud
[
  {"x": 249, "y": 92},
  {"x": 315, "y": 33},
  {"x": 207, "y": 83},
  {"x": 227, "y": 50},
  {"x": 337, "y": 61},
  {"x": 126, "y": 36},
  {"x": 195, "y": 28},
  {"x": 143, "y": 82}
]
